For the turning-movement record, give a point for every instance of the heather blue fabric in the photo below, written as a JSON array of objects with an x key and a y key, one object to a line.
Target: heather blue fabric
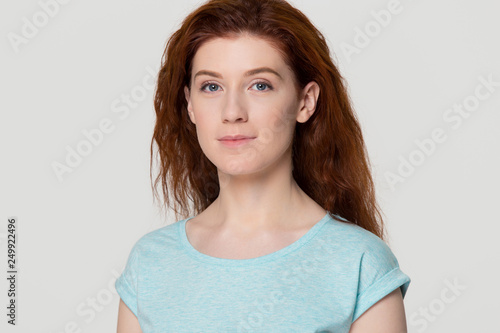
[{"x": 320, "y": 283}]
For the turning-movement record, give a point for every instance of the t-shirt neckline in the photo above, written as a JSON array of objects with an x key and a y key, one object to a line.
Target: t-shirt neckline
[{"x": 251, "y": 261}]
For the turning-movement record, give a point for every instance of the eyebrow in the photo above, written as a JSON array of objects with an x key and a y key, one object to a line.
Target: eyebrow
[{"x": 248, "y": 73}]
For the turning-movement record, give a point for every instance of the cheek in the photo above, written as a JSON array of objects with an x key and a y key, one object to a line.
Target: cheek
[
  {"x": 276, "y": 127},
  {"x": 281, "y": 118},
  {"x": 204, "y": 129},
  {"x": 202, "y": 121},
  {"x": 203, "y": 113}
]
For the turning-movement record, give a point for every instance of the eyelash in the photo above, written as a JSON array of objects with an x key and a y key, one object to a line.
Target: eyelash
[{"x": 206, "y": 84}]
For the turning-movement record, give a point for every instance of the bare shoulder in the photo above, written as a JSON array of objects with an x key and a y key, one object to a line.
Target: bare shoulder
[
  {"x": 127, "y": 321},
  {"x": 385, "y": 316}
]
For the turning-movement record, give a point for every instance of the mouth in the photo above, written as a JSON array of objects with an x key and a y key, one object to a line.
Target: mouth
[
  {"x": 236, "y": 137},
  {"x": 235, "y": 142}
]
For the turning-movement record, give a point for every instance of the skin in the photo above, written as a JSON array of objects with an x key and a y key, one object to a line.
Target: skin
[
  {"x": 127, "y": 321},
  {"x": 258, "y": 193},
  {"x": 385, "y": 316},
  {"x": 258, "y": 196}
]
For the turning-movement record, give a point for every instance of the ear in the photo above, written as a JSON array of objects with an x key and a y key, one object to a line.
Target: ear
[
  {"x": 187, "y": 94},
  {"x": 308, "y": 101}
]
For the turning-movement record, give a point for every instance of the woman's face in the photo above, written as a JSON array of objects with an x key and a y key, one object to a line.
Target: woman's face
[{"x": 242, "y": 86}]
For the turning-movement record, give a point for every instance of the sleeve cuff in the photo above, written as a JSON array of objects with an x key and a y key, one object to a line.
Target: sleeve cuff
[
  {"x": 126, "y": 294},
  {"x": 383, "y": 287}
]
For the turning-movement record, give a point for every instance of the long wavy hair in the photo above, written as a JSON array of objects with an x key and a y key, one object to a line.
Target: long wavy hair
[{"x": 330, "y": 160}]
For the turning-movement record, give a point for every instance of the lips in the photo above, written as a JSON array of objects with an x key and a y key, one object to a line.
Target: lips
[{"x": 235, "y": 137}]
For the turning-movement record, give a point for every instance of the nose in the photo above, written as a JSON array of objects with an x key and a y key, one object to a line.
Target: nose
[{"x": 234, "y": 108}]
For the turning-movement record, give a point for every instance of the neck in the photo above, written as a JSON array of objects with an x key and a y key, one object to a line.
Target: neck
[{"x": 259, "y": 201}]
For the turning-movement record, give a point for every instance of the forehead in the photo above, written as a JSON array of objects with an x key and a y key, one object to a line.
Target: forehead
[{"x": 238, "y": 53}]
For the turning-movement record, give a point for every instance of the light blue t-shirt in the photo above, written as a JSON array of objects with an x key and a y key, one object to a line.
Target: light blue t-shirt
[{"x": 320, "y": 283}]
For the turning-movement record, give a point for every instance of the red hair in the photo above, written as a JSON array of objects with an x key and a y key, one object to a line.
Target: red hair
[{"x": 330, "y": 161}]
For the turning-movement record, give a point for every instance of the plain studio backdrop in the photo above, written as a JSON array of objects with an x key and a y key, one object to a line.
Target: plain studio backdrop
[{"x": 77, "y": 118}]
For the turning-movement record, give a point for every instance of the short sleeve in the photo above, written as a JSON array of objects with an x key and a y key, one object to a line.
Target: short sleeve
[
  {"x": 126, "y": 284},
  {"x": 379, "y": 275}
]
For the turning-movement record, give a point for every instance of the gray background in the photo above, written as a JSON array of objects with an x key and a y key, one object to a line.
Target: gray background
[{"x": 74, "y": 71}]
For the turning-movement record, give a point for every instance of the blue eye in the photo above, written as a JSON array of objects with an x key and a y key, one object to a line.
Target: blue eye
[
  {"x": 263, "y": 85},
  {"x": 210, "y": 86},
  {"x": 213, "y": 87}
]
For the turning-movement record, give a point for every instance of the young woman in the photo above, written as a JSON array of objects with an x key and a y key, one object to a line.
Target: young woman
[{"x": 255, "y": 126}]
